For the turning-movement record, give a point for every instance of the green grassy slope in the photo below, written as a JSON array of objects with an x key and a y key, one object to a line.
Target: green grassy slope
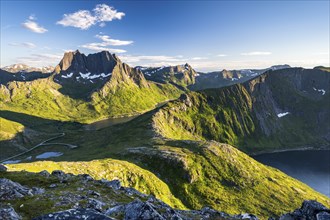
[
  {"x": 197, "y": 174},
  {"x": 8, "y": 129},
  {"x": 167, "y": 152},
  {"x": 42, "y": 98}
]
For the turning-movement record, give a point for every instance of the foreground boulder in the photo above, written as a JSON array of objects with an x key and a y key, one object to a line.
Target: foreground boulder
[
  {"x": 85, "y": 214},
  {"x": 310, "y": 210},
  {"x": 82, "y": 197},
  {"x": 8, "y": 213},
  {"x": 3, "y": 168},
  {"x": 11, "y": 190}
]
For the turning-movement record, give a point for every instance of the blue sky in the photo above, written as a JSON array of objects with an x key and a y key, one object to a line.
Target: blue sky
[{"x": 209, "y": 35}]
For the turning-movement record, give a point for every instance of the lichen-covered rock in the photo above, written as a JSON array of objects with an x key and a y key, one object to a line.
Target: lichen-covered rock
[
  {"x": 323, "y": 216},
  {"x": 95, "y": 204},
  {"x": 84, "y": 214},
  {"x": 3, "y": 168},
  {"x": 44, "y": 173},
  {"x": 12, "y": 190},
  {"x": 8, "y": 213},
  {"x": 310, "y": 209},
  {"x": 114, "y": 184}
]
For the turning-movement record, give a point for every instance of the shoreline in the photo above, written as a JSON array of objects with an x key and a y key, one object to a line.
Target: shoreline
[{"x": 322, "y": 148}]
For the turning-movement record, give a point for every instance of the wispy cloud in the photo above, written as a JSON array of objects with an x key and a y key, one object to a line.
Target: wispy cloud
[
  {"x": 40, "y": 60},
  {"x": 222, "y": 55},
  {"x": 256, "y": 53},
  {"x": 156, "y": 59},
  {"x": 113, "y": 42},
  {"x": 199, "y": 58},
  {"x": 107, "y": 41},
  {"x": 84, "y": 19},
  {"x": 24, "y": 44},
  {"x": 99, "y": 47},
  {"x": 32, "y": 17},
  {"x": 33, "y": 26}
]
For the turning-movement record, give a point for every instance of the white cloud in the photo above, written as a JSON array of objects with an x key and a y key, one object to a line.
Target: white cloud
[
  {"x": 84, "y": 19},
  {"x": 199, "y": 58},
  {"x": 32, "y": 17},
  {"x": 34, "y": 26},
  {"x": 222, "y": 55},
  {"x": 113, "y": 42},
  {"x": 40, "y": 60},
  {"x": 24, "y": 44},
  {"x": 104, "y": 12},
  {"x": 157, "y": 59},
  {"x": 256, "y": 53},
  {"x": 101, "y": 47},
  {"x": 107, "y": 41}
]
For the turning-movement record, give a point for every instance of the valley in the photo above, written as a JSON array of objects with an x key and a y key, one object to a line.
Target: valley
[{"x": 189, "y": 152}]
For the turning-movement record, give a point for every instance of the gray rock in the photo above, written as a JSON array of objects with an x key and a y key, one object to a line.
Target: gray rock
[
  {"x": 310, "y": 209},
  {"x": 95, "y": 204},
  {"x": 93, "y": 193},
  {"x": 246, "y": 216},
  {"x": 37, "y": 191},
  {"x": 53, "y": 185},
  {"x": 131, "y": 191},
  {"x": 73, "y": 214},
  {"x": 323, "y": 216},
  {"x": 141, "y": 210},
  {"x": 44, "y": 173},
  {"x": 58, "y": 173},
  {"x": 116, "y": 211},
  {"x": 86, "y": 177},
  {"x": 8, "y": 213},
  {"x": 12, "y": 190},
  {"x": 3, "y": 168},
  {"x": 114, "y": 184}
]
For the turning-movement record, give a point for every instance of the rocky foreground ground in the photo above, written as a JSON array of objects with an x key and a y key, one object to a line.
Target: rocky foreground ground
[{"x": 66, "y": 196}]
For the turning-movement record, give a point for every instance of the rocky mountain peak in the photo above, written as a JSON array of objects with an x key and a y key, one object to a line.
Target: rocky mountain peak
[{"x": 98, "y": 63}]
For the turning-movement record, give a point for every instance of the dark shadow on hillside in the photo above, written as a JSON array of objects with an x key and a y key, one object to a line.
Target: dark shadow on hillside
[
  {"x": 6, "y": 77},
  {"x": 35, "y": 122},
  {"x": 36, "y": 130}
]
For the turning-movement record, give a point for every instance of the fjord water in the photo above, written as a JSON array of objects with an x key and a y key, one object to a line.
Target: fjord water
[
  {"x": 311, "y": 166},
  {"x": 109, "y": 122}
]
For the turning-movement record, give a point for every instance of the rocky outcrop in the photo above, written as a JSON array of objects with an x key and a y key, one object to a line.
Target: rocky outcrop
[
  {"x": 3, "y": 168},
  {"x": 74, "y": 214},
  {"x": 310, "y": 210},
  {"x": 7, "y": 212},
  {"x": 11, "y": 190},
  {"x": 98, "y": 199},
  {"x": 77, "y": 62}
]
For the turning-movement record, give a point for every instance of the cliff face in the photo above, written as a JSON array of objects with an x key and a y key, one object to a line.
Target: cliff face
[
  {"x": 76, "y": 62},
  {"x": 284, "y": 108}
]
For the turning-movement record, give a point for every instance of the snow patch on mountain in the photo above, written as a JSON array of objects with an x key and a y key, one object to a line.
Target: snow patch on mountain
[
  {"x": 280, "y": 115},
  {"x": 67, "y": 76},
  {"x": 319, "y": 90}
]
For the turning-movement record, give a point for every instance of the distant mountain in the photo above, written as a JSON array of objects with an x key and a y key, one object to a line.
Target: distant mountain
[
  {"x": 21, "y": 75},
  {"x": 15, "y": 68},
  {"x": 223, "y": 78},
  {"x": 84, "y": 88},
  {"x": 95, "y": 72},
  {"x": 284, "y": 108},
  {"x": 180, "y": 75}
]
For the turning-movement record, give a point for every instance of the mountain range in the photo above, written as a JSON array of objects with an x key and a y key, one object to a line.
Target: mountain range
[{"x": 189, "y": 139}]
